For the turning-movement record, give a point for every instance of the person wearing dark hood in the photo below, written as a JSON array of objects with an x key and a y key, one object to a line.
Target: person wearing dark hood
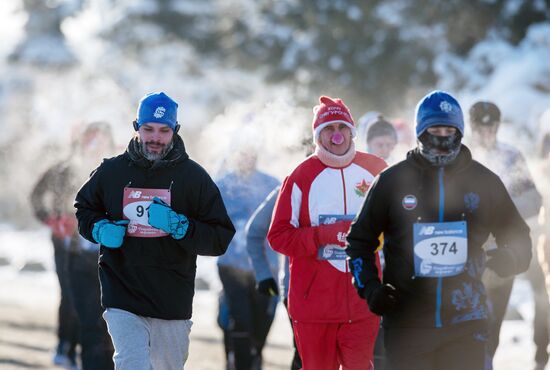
[
  {"x": 381, "y": 138},
  {"x": 510, "y": 165},
  {"x": 435, "y": 209},
  {"x": 153, "y": 211}
]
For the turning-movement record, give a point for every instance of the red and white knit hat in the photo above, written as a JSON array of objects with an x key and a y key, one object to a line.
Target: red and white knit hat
[{"x": 330, "y": 111}]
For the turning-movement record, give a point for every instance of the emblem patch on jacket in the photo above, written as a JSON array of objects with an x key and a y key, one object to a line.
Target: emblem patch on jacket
[
  {"x": 471, "y": 201},
  {"x": 409, "y": 202},
  {"x": 361, "y": 188}
]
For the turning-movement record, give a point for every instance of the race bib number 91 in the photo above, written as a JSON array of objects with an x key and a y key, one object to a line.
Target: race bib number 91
[
  {"x": 134, "y": 208},
  {"x": 440, "y": 249}
]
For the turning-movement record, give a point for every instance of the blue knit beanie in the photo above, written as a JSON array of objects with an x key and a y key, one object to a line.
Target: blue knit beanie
[
  {"x": 157, "y": 107},
  {"x": 438, "y": 108}
]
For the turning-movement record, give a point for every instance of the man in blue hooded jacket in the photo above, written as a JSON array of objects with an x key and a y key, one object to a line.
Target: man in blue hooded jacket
[{"x": 436, "y": 209}]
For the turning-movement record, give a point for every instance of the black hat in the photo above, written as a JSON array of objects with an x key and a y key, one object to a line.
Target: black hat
[
  {"x": 381, "y": 127},
  {"x": 484, "y": 113}
]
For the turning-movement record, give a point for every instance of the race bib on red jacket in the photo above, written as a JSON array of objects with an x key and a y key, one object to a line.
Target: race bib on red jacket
[
  {"x": 135, "y": 203},
  {"x": 332, "y": 253}
]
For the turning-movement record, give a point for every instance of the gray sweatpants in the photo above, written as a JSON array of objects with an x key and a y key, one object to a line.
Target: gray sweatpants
[{"x": 144, "y": 343}]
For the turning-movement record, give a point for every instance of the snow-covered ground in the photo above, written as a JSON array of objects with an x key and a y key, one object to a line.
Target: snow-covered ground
[
  {"x": 28, "y": 307},
  {"x": 39, "y": 290}
]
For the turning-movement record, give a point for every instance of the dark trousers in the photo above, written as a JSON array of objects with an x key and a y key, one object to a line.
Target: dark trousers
[
  {"x": 456, "y": 347},
  {"x": 67, "y": 330},
  {"x": 542, "y": 310},
  {"x": 250, "y": 315},
  {"x": 498, "y": 293},
  {"x": 96, "y": 345},
  {"x": 379, "y": 351}
]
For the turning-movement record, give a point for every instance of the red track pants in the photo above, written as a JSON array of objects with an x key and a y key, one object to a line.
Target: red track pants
[{"x": 329, "y": 346}]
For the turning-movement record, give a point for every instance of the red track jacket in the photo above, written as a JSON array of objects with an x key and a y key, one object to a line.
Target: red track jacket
[{"x": 320, "y": 290}]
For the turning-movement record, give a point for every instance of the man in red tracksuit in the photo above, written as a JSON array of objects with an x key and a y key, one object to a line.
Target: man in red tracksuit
[{"x": 333, "y": 326}]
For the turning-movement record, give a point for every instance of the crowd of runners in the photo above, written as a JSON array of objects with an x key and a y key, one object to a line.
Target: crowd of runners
[{"x": 382, "y": 259}]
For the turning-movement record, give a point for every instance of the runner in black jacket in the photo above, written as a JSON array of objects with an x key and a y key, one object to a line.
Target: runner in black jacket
[
  {"x": 147, "y": 272},
  {"x": 435, "y": 210}
]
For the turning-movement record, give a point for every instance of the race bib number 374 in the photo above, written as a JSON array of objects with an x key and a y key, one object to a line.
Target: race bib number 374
[
  {"x": 134, "y": 207},
  {"x": 440, "y": 249}
]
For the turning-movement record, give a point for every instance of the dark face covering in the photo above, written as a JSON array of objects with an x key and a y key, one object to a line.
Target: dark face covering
[{"x": 439, "y": 150}]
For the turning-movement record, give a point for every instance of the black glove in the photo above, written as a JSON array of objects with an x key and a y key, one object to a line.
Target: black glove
[
  {"x": 502, "y": 262},
  {"x": 382, "y": 299},
  {"x": 268, "y": 287}
]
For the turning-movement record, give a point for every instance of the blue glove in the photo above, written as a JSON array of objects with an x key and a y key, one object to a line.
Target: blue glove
[
  {"x": 162, "y": 217},
  {"x": 110, "y": 234}
]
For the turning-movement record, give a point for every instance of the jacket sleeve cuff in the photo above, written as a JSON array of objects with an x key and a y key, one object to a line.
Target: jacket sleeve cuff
[{"x": 96, "y": 228}]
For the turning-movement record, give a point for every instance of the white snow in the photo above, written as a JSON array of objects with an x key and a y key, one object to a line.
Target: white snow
[{"x": 25, "y": 289}]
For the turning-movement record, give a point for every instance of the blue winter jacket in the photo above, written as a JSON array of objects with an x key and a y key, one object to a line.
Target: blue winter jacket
[
  {"x": 264, "y": 259},
  {"x": 242, "y": 195}
]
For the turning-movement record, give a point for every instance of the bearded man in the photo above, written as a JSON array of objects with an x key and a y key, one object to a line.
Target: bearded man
[{"x": 153, "y": 211}]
